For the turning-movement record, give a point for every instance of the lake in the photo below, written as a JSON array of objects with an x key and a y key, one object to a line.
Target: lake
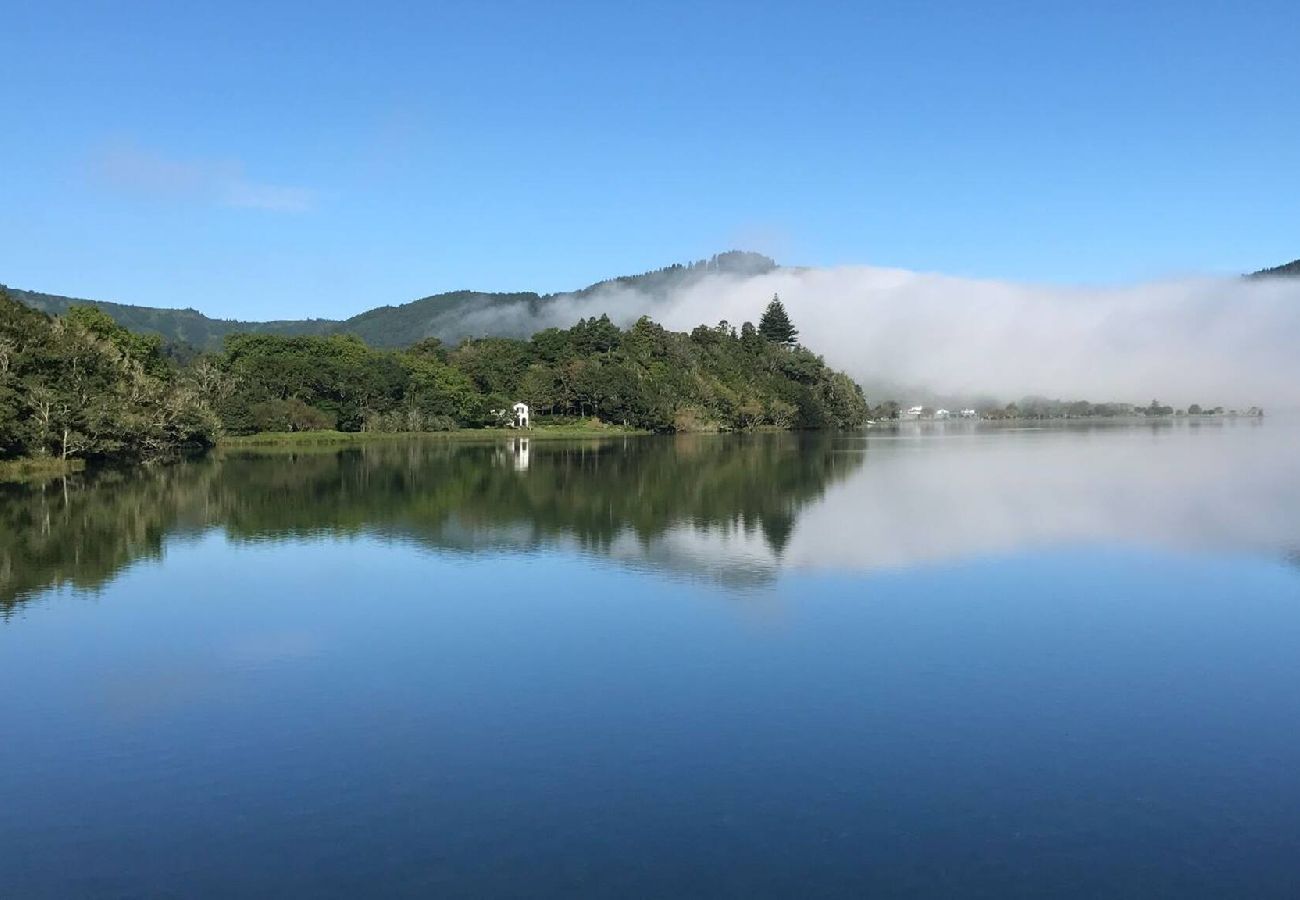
[{"x": 937, "y": 660}]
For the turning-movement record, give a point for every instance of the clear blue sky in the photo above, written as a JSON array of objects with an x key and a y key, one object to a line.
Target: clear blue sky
[{"x": 290, "y": 159}]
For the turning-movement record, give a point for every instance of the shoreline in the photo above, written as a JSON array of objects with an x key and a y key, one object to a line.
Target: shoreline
[
  {"x": 1069, "y": 420},
  {"x": 35, "y": 468},
  {"x": 320, "y": 438},
  {"x": 27, "y": 469}
]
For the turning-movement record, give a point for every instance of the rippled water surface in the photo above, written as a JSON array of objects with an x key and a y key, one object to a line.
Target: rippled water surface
[{"x": 931, "y": 661}]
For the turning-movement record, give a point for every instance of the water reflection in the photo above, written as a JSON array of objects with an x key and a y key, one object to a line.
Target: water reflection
[
  {"x": 722, "y": 505},
  {"x": 458, "y": 702},
  {"x": 735, "y": 509},
  {"x": 961, "y": 492}
]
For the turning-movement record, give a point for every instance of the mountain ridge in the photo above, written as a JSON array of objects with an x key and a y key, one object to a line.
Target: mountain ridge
[
  {"x": 1286, "y": 270},
  {"x": 449, "y": 316}
]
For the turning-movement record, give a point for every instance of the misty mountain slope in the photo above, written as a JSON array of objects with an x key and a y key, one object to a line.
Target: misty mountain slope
[
  {"x": 454, "y": 316},
  {"x": 1286, "y": 270},
  {"x": 449, "y": 316},
  {"x": 444, "y": 316},
  {"x": 660, "y": 282}
]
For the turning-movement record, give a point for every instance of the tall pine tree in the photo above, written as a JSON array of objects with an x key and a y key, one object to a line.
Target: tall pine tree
[{"x": 775, "y": 325}]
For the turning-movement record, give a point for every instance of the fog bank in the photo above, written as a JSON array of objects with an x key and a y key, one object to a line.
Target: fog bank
[{"x": 1229, "y": 341}]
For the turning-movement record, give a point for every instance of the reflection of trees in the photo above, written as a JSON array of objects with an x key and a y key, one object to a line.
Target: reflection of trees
[
  {"x": 80, "y": 531},
  {"x": 83, "y": 530}
]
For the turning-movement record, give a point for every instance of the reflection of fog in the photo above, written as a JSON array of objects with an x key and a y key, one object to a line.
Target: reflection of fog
[
  {"x": 931, "y": 493},
  {"x": 731, "y": 554},
  {"x": 728, "y": 553},
  {"x": 954, "y": 493},
  {"x": 735, "y": 509},
  {"x": 936, "y": 492}
]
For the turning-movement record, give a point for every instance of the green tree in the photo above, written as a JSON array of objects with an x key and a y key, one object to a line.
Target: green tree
[
  {"x": 775, "y": 325},
  {"x": 290, "y": 415},
  {"x": 80, "y": 385},
  {"x": 540, "y": 388}
]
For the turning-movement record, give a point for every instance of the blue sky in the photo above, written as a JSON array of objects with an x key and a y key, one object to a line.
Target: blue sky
[{"x": 283, "y": 160}]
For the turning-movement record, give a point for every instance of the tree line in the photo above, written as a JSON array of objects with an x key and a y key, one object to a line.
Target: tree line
[{"x": 81, "y": 386}]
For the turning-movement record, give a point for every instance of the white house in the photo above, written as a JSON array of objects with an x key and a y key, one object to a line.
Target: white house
[
  {"x": 941, "y": 414},
  {"x": 914, "y": 412},
  {"x": 521, "y": 415},
  {"x": 969, "y": 414}
]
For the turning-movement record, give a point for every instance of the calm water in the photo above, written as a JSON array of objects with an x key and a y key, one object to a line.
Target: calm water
[{"x": 931, "y": 662}]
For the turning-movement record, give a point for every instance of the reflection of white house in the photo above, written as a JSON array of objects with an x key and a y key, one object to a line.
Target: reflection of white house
[
  {"x": 521, "y": 415},
  {"x": 521, "y": 454},
  {"x": 941, "y": 414}
]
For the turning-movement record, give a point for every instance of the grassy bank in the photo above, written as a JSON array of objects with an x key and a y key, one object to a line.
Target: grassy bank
[
  {"x": 31, "y": 469},
  {"x": 319, "y": 438}
]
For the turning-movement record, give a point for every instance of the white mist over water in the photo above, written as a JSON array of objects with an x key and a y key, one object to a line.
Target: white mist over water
[{"x": 1229, "y": 341}]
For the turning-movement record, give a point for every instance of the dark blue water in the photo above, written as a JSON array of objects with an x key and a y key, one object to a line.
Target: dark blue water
[{"x": 662, "y": 668}]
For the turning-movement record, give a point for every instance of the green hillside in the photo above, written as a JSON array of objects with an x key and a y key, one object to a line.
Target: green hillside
[
  {"x": 81, "y": 386},
  {"x": 449, "y": 317}
]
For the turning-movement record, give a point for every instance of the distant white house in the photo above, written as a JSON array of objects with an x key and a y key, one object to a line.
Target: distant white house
[
  {"x": 969, "y": 414},
  {"x": 914, "y": 412},
  {"x": 521, "y": 415},
  {"x": 941, "y": 414}
]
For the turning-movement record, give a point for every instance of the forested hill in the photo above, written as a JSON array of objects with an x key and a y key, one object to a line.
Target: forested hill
[
  {"x": 82, "y": 386},
  {"x": 178, "y": 326},
  {"x": 1287, "y": 270},
  {"x": 449, "y": 317}
]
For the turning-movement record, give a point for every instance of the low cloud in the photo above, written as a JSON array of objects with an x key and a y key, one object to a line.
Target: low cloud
[
  {"x": 130, "y": 168},
  {"x": 1208, "y": 340},
  {"x": 1229, "y": 341}
]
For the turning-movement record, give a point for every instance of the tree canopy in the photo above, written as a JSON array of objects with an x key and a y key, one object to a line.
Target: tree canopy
[
  {"x": 80, "y": 385},
  {"x": 644, "y": 376}
]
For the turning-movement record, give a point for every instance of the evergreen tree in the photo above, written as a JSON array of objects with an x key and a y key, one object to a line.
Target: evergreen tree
[{"x": 775, "y": 325}]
